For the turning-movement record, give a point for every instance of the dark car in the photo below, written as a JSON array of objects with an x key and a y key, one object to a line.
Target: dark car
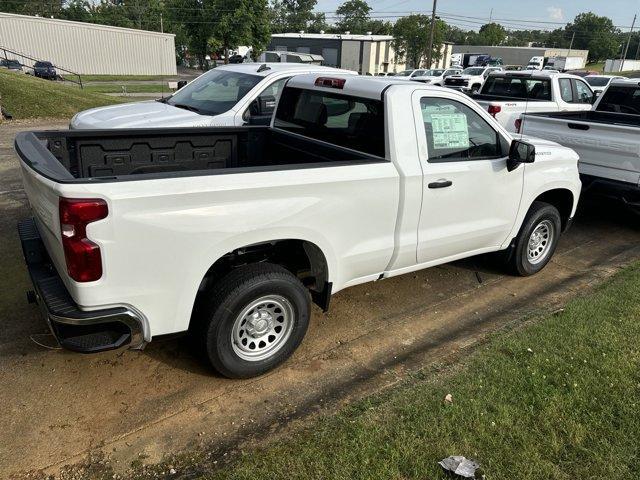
[
  {"x": 45, "y": 70},
  {"x": 11, "y": 64}
]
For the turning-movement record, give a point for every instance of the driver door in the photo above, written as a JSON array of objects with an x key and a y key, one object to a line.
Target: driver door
[{"x": 470, "y": 199}]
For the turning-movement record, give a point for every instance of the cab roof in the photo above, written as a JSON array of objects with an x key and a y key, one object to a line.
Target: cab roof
[
  {"x": 265, "y": 69},
  {"x": 357, "y": 85}
]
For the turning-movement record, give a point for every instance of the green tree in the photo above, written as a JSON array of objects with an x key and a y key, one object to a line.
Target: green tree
[
  {"x": 78, "y": 11},
  {"x": 411, "y": 39},
  {"x": 594, "y": 33},
  {"x": 353, "y": 16},
  {"x": 295, "y": 15},
  {"x": 492, "y": 34},
  {"x": 241, "y": 22}
]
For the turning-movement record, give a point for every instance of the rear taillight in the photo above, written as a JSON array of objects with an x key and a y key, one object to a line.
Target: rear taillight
[
  {"x": 84, "y": 263},
  {"x": 494, "y": 109},
  {"x": 330, "y": 82},
  {"x": 518, "y": 124}
]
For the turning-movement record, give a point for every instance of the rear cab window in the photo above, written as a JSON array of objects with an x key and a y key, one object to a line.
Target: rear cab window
[
  {"x": 346, "y": 121},
  {"x": 518, "y": 87},
  {"x": 620, "y": 99}
]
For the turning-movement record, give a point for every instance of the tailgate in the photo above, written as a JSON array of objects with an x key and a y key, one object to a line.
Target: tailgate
[
  {"x": 37, "y": 163},
  {"x": 605, "y": 150}
]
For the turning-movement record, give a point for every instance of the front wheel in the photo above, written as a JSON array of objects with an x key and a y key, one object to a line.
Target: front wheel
[
  {"x": 253, "y": 320},
  {"x": 537, "y": 240}
]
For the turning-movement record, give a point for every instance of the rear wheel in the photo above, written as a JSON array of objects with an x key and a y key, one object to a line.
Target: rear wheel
[
  {"x": 537, "y": 240},
  {"x": 252, "y": 320}
]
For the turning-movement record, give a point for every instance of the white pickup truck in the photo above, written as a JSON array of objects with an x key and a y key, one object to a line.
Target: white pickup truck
[
  {"x": 226, "y": 96},
  {"x": 508, "y": 95},
  {"x": 606, "y": 138},
  {"x": 471, "y": 79},
  {"x": 231, "y": 233}
]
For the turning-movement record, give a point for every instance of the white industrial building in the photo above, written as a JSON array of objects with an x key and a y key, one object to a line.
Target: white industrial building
[{"x": 87, "y": 48}]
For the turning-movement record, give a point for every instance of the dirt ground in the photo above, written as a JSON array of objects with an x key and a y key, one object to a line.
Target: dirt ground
[{"x": 58, "y": 406}]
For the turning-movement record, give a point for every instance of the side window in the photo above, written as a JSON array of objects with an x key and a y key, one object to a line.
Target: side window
[
  {"x": 566, "y": 92},
  {"x": 265, "y": 104},
  {"x": 456, "y": 133},
  {"x": 583, "y": 92}
]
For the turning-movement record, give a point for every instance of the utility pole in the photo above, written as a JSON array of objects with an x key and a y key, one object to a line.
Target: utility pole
[
  {"x": 571, "y": 44},
  {"x": 433, "y": 28},
  {"x": 491, "y": 16},
  {"x": 626, "y": 49},
  {"x": 161, "y": 24}
]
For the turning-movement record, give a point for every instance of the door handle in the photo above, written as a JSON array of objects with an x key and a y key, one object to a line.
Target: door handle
[
  {"x": 578, "y": 126},
  {"x": 440, "y": 184}
]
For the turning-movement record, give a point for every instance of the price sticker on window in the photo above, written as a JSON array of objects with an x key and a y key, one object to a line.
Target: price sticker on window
[{"x": 450, "y": 130}]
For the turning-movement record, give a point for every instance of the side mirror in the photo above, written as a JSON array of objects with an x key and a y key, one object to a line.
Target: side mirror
[
  {"x": 520, "y": 152},
  {"x": 181, "y": 84}
]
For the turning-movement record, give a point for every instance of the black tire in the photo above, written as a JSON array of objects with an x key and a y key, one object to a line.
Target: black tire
[
  {"x": 217, "y": 314},
  {"x": 541, "y": 215}
]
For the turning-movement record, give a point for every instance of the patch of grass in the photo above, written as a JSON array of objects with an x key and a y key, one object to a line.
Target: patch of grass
[
  {"x": 557, "y": 400},
  {"x": 121, "y": 78},
  {"x": 598, "y": 67},
  {"x": 24, "y": 96},
  {"x": 131, "y": 88}
]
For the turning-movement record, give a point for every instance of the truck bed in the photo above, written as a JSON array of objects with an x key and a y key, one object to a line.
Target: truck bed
[
  {"x": 113, "y": 155},
  {"x": 608, "y": 118}
]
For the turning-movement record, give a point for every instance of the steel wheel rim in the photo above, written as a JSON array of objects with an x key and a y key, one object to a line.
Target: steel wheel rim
[
  {"x": 540, "y": 241},
  {"x": 262, "y": 328}
]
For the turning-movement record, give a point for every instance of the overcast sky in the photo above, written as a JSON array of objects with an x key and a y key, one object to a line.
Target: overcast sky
[{"x": 515, "y": 14}]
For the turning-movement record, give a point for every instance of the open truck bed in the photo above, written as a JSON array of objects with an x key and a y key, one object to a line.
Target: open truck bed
[{"x": 116, "y": 155}]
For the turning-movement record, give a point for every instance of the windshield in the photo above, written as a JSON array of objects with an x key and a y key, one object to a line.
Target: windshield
[
  {"x": 406, "y": 73},
  {"x": 433, "y": 73},
  {"x": 214, "y": 92},
  {"x": 43, "y": 64},
  {"x": 473, "y": 71},
  {"x": 597, "y": 81}
]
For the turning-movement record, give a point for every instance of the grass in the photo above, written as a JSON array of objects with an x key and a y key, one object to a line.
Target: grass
[
  {"x": 24, "y": 96},
  {"x": 557, "y": 400},
  {"x": 131, "y": 88},
  {"x": 122, "y": 78},
  {"x": 598, "y": 67}
]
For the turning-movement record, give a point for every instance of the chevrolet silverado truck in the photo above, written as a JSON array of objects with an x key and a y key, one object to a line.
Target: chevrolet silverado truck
[
  {"x": 226, "y": 96},
  {"x": 471, "y": 79},
  {"x": 606, "y": 138},
  {"x": 508, "y": 95},
  {"x": 230, "y": 234}
]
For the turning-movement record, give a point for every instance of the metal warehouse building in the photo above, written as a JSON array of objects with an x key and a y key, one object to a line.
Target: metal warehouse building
[
  {"x": 520, "y": 55},
  {"x": 87, "y": 48}
]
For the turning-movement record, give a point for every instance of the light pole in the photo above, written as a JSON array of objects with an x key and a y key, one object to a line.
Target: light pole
[{"x": 433, "y": 27}]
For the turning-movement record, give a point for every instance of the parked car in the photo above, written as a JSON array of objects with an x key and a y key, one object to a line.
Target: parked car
[
  {"x": 229, "y": 95},
  {"x": 44, "y": 70},
  {"x": 599, "y": 83},
  {"x": 471, "y": 79},
  {"x": 606, "y": 138},
  {"x": 507, "y": 95},
  {"x": 14, "y": 65},
  {"x": 230, "y": 233},
  {"x": 410, "y": 74},
  {"x": 436, "y": 77}
]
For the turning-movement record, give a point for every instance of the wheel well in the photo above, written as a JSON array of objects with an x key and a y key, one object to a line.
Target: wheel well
[
  {"x": 303, "y": 259},
  {"x": 562, "y": 199}
]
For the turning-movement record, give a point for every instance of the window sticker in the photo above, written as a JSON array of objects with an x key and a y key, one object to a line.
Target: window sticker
[{"x": 450, "y": 130}]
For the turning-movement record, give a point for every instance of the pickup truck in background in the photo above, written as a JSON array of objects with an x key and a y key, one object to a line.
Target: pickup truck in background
[
  {"x": 606, "y": 138},
  {"x": 507, "y": 95},
  {"x": 226, "y": 96},
  {"x": 230, "y": 233},
  {"x": 436, "y": 77},
  {"x": 471, "y": 79}
]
